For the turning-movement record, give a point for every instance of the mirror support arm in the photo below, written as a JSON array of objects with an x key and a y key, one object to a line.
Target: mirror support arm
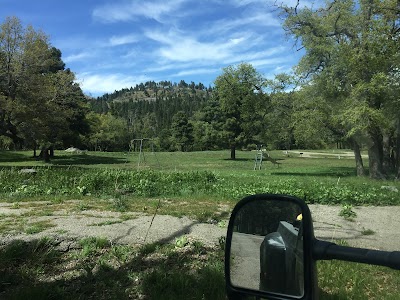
[{"x": 323, "y": 250}]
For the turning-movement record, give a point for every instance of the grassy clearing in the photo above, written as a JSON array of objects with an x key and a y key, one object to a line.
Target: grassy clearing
[
  {"x": 201, "y": 185},
  {"x": 194, "y": 175}
]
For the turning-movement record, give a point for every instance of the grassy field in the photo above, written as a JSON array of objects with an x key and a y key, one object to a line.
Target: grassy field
[
  {"x": 194, "y": 184},
  {"x": 194, "y": 175}
]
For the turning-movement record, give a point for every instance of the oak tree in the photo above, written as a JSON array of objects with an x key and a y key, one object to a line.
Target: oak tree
[{"x": 352, "y": 52}]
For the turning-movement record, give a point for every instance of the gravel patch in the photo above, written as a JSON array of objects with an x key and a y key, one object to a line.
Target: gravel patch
[{"x": 382, "y": 223}]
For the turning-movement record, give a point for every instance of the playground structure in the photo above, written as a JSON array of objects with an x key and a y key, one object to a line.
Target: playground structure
[
  {"x": 258, "y": 160},
  {"x": 260, "y": 157},
  {"x": 139, "y": 143}
]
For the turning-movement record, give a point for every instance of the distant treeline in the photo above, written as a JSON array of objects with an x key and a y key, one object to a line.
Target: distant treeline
[{"x": 165, "y": 111}]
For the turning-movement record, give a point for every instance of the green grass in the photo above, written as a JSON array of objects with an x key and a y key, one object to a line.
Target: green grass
[
  {"x": 367, "y": 232},
  {"x": 347, "y": 212},
  {"x": 100, "y": 270},
  {"x": 345, "y": 280},
  {"x": 19, "y": 224},
  {"x": 202, "y": 185},
  {"x": 37, "y": 227},
  {"x": 36, "y": 270},
  {"x": 208, "y": 175},
  {"x": 179, "y": 161}
]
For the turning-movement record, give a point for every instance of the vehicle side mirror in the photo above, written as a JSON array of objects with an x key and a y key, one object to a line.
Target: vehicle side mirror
[{"x": 268, "y": 250}]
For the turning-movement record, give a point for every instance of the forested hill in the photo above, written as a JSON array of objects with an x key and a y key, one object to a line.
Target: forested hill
[
  {"x": 176, "y": 94},
  {"x": 164, "y": 111}
]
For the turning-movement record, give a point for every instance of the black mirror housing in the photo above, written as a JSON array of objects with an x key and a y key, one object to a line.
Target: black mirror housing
[{"x": 268, "y": 251}]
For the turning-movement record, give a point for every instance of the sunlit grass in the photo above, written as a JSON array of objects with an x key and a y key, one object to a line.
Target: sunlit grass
[
  {"x": 208, "y": 175},
  {"x": 99, "y": 181},
  {"x": 346, "y": 280}
]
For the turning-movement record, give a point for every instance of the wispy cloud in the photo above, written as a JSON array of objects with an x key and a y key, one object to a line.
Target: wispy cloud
[
  {"x": 77, "y": 57},
  {"x": 197, "y": 72},
  {"x": 123, "y": 39},
  {"x": 177, "y": 49},
  {"x": 132, "y": 10},
  {"x": 113, "y": 44},
  {"x": 257, "y": 19},
  {"x": 269, "y": 52},
  {"x": 182, "y": 47},
  {"x": 266, "y": 62},
  {"x": 103, "y": 83},
  {"x": 192, "y": 50}
]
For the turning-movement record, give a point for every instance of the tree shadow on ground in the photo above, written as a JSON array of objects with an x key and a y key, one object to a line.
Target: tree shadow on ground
[
  {"x": 331, "y": 172},
  {"x": 12, "y": 156},
  {"x": 238, "y": 159},
  {"x": 38, "y": 270},
  {"x": 61, "y": 160},
  {"x": 252, "y": 159},
  {"x": 86, "y": 159}
]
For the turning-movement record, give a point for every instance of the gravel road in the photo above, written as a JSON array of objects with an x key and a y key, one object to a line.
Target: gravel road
[{"x": 382, "y": 222}]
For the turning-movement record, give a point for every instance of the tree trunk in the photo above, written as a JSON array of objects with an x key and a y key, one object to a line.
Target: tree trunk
[
  {"x": 387, "y": 157},
  {"x": 397, "y": 150},
  {"x": 359, "y": 161},
  {"x": 44, "y": 154},
  {"x": 51, "y": 151},
  {"x": 375, "y": 157},
  {"x": 233, "y": 152}
]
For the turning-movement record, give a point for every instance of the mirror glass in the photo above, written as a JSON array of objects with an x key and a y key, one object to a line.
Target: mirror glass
[{"x": 267, "y": 247}]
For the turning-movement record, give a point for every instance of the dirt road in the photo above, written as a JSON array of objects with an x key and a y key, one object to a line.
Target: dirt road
[
  {"x": 373, "y": 227},
  {"x": 343, "y": 154}
]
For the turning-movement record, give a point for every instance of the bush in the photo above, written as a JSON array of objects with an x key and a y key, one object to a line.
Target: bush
[{"x": 79, "y": 182}]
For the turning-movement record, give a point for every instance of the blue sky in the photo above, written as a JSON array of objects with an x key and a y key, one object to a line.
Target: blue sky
[{"x": 113, "y": 44}]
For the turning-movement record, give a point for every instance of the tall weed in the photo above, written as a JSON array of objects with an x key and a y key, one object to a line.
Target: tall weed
[{"x": 77, "y": 182}]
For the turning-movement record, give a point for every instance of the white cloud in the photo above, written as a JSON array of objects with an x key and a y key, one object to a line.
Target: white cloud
[
  {"x": 132, "y": 53},
  {"x": 197, "y": 72},
  {"x": 258, "y": 19},
  {"x": 77, "y": 57},
  {"x": 106, "y": 83},
  {"x": 131, "y": 10},
  {"x": 123, "y": 39},
  {"x": 236, "y": 41},
  {"x": 179, "y": 51},
  {"x": 181, "y": 47},
  {"x": 191, "y": 50},
  {"x": 266, "y": 62},
  {"x": 169, "y": 66},
  {"x": 263, "y": 54}
]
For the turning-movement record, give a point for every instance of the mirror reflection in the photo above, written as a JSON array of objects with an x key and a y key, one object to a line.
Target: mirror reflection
[{"x": 267, "y": 247}]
